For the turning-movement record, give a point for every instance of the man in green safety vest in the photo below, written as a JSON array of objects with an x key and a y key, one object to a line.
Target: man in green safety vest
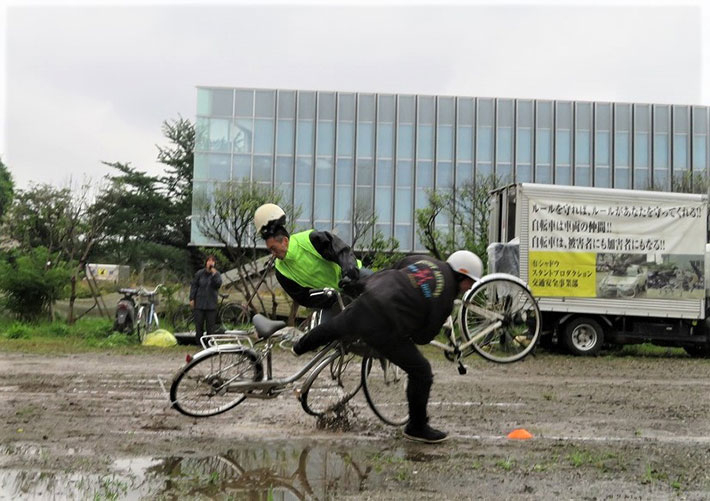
[{"x": 306, "y": 260}]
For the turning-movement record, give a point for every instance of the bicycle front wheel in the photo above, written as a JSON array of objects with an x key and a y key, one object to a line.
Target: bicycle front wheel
[
  {"x": 335, "y": 381},
  {"x": 385, "y": 388},
  {"x": 234, "y": 316},
  {"x": 202, "y": 387},
  {"x": 502, "y": 319}
]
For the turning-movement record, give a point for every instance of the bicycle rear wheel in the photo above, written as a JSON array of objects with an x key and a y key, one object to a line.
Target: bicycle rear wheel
[
  {"x": 202, "y": 387},
  {"x": 335, "y": 381},
  {"x": 234, "y": 316},
  {"x": 502, "y": 318},
  {"x": 385, "y": 388}
]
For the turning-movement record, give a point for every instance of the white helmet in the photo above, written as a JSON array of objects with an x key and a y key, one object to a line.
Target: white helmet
[
  {"x": 267, "y": 218},
  {"x": 466, "y": 263}
]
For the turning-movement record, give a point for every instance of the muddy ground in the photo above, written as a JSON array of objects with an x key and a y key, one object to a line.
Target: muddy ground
[{"x": 98, "y": 426}]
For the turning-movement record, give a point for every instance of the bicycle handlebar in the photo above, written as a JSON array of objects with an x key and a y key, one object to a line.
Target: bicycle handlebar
[{"x": 146, "y": 292}]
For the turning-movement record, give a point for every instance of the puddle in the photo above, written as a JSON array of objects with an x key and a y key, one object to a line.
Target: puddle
[{"x": 278, "y": 471}]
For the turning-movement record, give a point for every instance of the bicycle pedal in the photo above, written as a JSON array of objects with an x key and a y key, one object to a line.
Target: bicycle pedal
[{"x": 462, "y": 369}]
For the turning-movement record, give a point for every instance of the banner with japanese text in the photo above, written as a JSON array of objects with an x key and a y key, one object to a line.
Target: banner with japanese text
[{"x": 621, "y": 250}]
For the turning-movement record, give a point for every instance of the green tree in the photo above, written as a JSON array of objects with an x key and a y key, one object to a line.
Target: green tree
[{"x": 7, "y": 188}]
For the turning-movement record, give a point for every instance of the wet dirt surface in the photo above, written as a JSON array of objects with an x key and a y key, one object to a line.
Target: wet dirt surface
[{"x": 99, "y": 426}]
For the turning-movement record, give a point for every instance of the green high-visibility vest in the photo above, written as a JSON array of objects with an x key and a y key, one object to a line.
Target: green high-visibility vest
[{"x": 305, "y": 266}]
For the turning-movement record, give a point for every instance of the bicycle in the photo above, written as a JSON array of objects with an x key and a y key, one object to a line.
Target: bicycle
[
  {"x": 231, "y": 369},
  {"x": 147, "y": 317},
  {"x": 498, "y": 318},
  {"x": 229, "y": 315}
]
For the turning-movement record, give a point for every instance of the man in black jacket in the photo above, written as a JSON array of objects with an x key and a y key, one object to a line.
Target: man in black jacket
[
  {"x": 203, "y": 297},
  {"x": 399, "y": 309}
]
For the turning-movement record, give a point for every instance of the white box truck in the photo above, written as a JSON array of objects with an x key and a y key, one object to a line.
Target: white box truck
[{"x": 607, "y": 265}]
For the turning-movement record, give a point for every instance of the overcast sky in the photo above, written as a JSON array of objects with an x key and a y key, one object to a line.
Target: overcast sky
[{"x": 92, "y": 81}]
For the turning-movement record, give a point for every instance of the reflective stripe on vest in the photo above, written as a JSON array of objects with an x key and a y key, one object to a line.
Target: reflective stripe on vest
[{"x": 305, "y": 266}]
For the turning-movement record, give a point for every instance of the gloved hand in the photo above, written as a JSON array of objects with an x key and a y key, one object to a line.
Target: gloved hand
[
  {"x": 352, "y": 288},
  {"x": 353, "y": 273}
]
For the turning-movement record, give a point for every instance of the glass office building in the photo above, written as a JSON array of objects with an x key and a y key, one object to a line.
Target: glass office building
[{"x": 328, "y": 151}]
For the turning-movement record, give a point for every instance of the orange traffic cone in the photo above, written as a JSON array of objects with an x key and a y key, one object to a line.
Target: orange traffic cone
[{"x": 520, "y": 434}]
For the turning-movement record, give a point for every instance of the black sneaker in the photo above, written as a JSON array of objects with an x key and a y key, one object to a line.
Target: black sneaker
[{"x": 425, "y": 434}]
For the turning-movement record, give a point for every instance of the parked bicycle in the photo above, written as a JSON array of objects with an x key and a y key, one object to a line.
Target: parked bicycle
[
  {"x": 232, "y": 367},
  {"x": 125, "y": 318},
  {"x": 498, "y": 318},
  {"x": 231, "y": 316},
  {"x": 147, "y": 317}
]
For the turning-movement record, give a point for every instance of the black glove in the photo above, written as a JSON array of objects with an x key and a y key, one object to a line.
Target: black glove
[
  {"x": 353, "y": 273},
  {"x": 352, "y": 288}
]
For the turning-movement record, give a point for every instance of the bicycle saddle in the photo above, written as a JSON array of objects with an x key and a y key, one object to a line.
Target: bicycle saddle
[{"x": 265, "y": 327}]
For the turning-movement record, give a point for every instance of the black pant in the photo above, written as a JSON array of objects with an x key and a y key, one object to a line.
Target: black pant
[
  {"x": 361, "y": 321},
  {"x": 202, "y": 316}
]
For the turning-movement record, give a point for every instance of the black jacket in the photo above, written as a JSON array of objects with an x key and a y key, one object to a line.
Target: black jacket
[
  {"x": 203, "y": 289},
  {"x": 332, "y": 249},
  {"x": 417, "y": 296}
]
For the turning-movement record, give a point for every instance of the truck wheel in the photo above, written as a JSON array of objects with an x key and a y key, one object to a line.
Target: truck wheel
[
  {"x": 698, "y": 350},
  {"x": 583, "y": 336}
]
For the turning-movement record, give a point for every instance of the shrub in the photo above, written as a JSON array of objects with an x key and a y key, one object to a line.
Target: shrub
[
  {"x": 31, "y": 282},
  {"x": 18, "y": 330}
]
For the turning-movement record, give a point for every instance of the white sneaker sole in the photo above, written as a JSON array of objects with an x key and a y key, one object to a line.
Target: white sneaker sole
[{"x": 424, "y": 440}]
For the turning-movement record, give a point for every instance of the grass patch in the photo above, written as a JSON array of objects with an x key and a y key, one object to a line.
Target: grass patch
[
  {"x": 648, "y": 350},
  {"x": 87, "y": 334}
]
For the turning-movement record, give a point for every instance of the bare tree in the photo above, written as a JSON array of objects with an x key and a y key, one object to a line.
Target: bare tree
[{"x": 226, "y": 216}]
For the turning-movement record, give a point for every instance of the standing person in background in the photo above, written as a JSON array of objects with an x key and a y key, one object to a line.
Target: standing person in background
[{"x": 203, "y": 297}]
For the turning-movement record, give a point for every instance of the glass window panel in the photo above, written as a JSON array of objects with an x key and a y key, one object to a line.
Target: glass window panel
[
  {"x": 622, "y": 117},
  {"x": 504, "y": 151},
  {"x": 385, "y": 108},
  {"x": 264, "y": 103},
  {"x": 405, "y": 141},
  {"x": 681, "y": 119},
  {"x": 326, "y": 137},
  {"x": 563, "y": 147},
  {"x": 222, "y": 102},
  {"x": 385, "y": 140},
  {"x": 364, "y": 173},
  {"x": 405, "y": 175},
  {"x": 284, "y": 170},
  {"x": 680, "y": 152},
  {"x": 622, "y": 178},
  {"x": 219, "y": 135},
  {"x": 403, "y": 205},
  {"x": 445, "y": 142},
  {"x": 241, "y": 170},
  {"x": 203, "y": 101},
  {"x": 426, "y": 110},
  {"x": 444, "y": 175},
  {"x": 485, "y": 112},
  {"x": 244, "y": 103},
  {"x": 304, "y": 137},
  {"x": 383, "y": 204},
  {"x": 464, "y": 143},
  {"x": 602, "y": 177},
  {"x": 323, "y": 202},
  {"x": 262, "y": 169},
  {"x": 343, "y": 202},
  {"x": 563, "y": 116},
  {"x": 366, "y": 108},
  {"x": 563, "y": 174},
  {"x": 425, "y": 174},
  {"x": 700, "y": 120},
  {"x": 324, "y": 171},
  {"x": 484, "y": 145},
  {"x": 241, "y": 135},
  {"x": 306, "y": 105},
  {"x": 446, "y": 111},
  {"x": 465, "y": 111},
  {"x": 622, "y": 142},
  {"x": 304, "y": 171},
  {"x": 200, "y": 166},
  {"x": 287, "y": 104},
  {"x": 425, "y": 142},
  {"x": 202, "y": 133},
  {"x": 699, "y": 154},
  {"x": 365, "y": 140},
  {"x": 523, "y": 153},
  {"x": 302, "y": 199},
  {"x": 525, "y": 113},
  {"x": 661, "y": 147},
  {"x": 543, "y": 142},
  {"x": 602, "y": 151},
  {"x": 543, "y": 147},
  {"x": 344, "y": 172},
  {"x": 285, "y": 137},
  {"x": 326, "y": 106},
  {"x": 264, "y": 136},
  {"x": 385, "y": 173},
  {"x": 523, "y": 173},
  {"x": 406, "y": 109},
  {"x": 346, "y": 139},
  {"x": 464, "y": 173},
  {"x": 346, "y": 107}
]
